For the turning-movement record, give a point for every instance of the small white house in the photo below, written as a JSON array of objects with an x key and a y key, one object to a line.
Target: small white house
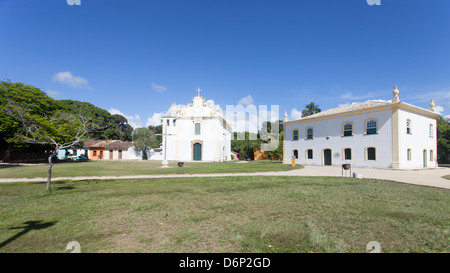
[
  {"x": 196, "y": 132},
  {"x": 379, "y": 134}
]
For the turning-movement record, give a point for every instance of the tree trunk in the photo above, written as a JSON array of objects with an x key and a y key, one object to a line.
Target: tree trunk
[{"x": 50, "y": 166}]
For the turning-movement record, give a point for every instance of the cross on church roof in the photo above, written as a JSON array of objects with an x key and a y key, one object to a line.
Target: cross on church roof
[{"x": 198, "y": 90}]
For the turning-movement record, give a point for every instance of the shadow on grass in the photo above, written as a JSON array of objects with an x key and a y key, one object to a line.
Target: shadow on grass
[
  {"x": 9, "y": 165},
  {"x": 64, "y": 188},
  {"x": 28, "y": 226}
]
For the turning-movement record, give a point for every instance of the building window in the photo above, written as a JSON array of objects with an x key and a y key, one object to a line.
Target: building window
[
  {"x": 371, "y": 153},
  {"x": 310, "y": 154},
  {"x": 168, "y": 122},
  {"x": 431, "y": 131},
  {"x": 431, "y": 155},
  {"x": 371, "y": 127},
  {"x": 74, "y": 152},
  {"x": 309, "y": 133},
  {"x": 348, "y": 129},
  {"x": 95, "y": 153},
  {"x": 295, "y": 135},
  {"x": 348, "y": 154},
  {"x": 295, "y": 153},
  {"x": 174, "y": 122},
  {"x": 408, "y": 126},
  {"x": 408, "y": 155},
  {"x": 197, "y": 128}
]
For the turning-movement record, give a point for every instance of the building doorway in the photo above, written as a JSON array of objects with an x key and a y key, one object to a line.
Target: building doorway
[
  {"x": 327, "y": 157},
  {"x": 197, "y": 152}
]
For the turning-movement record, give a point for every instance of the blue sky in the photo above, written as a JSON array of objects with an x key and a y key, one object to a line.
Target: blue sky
[{"x": 137, "y": 57}]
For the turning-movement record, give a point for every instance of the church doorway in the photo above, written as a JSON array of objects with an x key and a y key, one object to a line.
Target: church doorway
[{"x": 197, "y": 153}]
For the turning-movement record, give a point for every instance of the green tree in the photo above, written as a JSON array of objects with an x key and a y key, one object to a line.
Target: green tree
[
  {"x": 42, "y": 121},
  {"x": 158, "y": 131},
  {"x": 36, "y": 102},
  {"x": 246, "y": 145},
  {"x": 272, "y": 137},
  {"x": 443, "y": 139},
  {"x": 144, "y": 139},
  {"x": 111, "y": 126},
  {"x": 311, "y": 109}
]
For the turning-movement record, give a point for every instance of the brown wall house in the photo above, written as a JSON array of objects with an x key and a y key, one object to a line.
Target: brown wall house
[{"x": 97, "y": 153}]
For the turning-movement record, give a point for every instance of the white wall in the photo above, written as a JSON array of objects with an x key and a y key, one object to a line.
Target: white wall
[
  {"x": 130, "y": 154},
  {"x": 418, "y": 141},
  {"x": 332, "y": 128}
]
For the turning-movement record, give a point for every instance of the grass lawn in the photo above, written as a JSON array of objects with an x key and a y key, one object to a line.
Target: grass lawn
[
  {"x": 140, "y": 167},
  {"x": 224, "y": 214}
]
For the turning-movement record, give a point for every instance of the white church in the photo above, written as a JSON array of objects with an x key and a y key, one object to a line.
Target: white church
[
  {"x": 379, "y": 134},
  {"x": 196, "y": 132}
]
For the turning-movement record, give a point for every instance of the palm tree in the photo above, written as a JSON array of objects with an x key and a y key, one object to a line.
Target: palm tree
[{"x": 310, "y": 109}]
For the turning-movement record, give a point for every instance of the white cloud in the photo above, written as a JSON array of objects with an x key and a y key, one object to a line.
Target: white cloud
[
  {"x": 447, "y": 117},
  {"x": 158, "y": 88},
  {"x": 379, "y": 100},
  {"x": 134, "y": 121},
  {"x": 53, "y": 93},
  {"x": 246, "y": 100},
  {"x": 349, "y": 96},
  {"x": 66, "y": 78},
  {"x": 155, "y": 119},
  {"x": 439, "y": 110},
  {"x": 344, "y": 104},
  {"x": 438, "y": 96},
  {"x": 295, "y": 114}
]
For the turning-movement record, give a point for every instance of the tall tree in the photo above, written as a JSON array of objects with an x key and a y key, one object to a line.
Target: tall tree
[
  {"x": 274, "y": 138},
  {"x": 112, "y": 126},
  {"x": 443, "y": 139},
  {"x": 310, "y": 109},
  {"x": 37, "y": 103},
  {"x": 144, "y": 139},
  {"x": 158, "y": 131},
  {"x": 246, "y": 147},
  {"x": 42, "y": 121}
]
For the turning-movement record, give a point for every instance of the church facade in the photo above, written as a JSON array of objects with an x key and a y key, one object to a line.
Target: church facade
[
  {"x": 379, "y": 134},
  {"x": 196, "y": 132}
]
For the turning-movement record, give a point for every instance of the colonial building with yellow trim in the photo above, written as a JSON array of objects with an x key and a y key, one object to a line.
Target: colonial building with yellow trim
[{"x": 379, "y": 134}]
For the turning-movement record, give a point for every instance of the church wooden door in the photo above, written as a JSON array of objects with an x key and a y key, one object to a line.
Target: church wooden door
[{"x": 197, "y": 153}]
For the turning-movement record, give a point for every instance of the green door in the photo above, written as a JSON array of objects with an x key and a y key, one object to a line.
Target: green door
[
  {"x": 327, "y": 157},
  {"x": 197, "y": 151}
]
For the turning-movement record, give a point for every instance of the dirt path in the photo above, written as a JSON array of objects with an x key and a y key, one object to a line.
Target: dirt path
[{"x": 429, "y": 177}]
